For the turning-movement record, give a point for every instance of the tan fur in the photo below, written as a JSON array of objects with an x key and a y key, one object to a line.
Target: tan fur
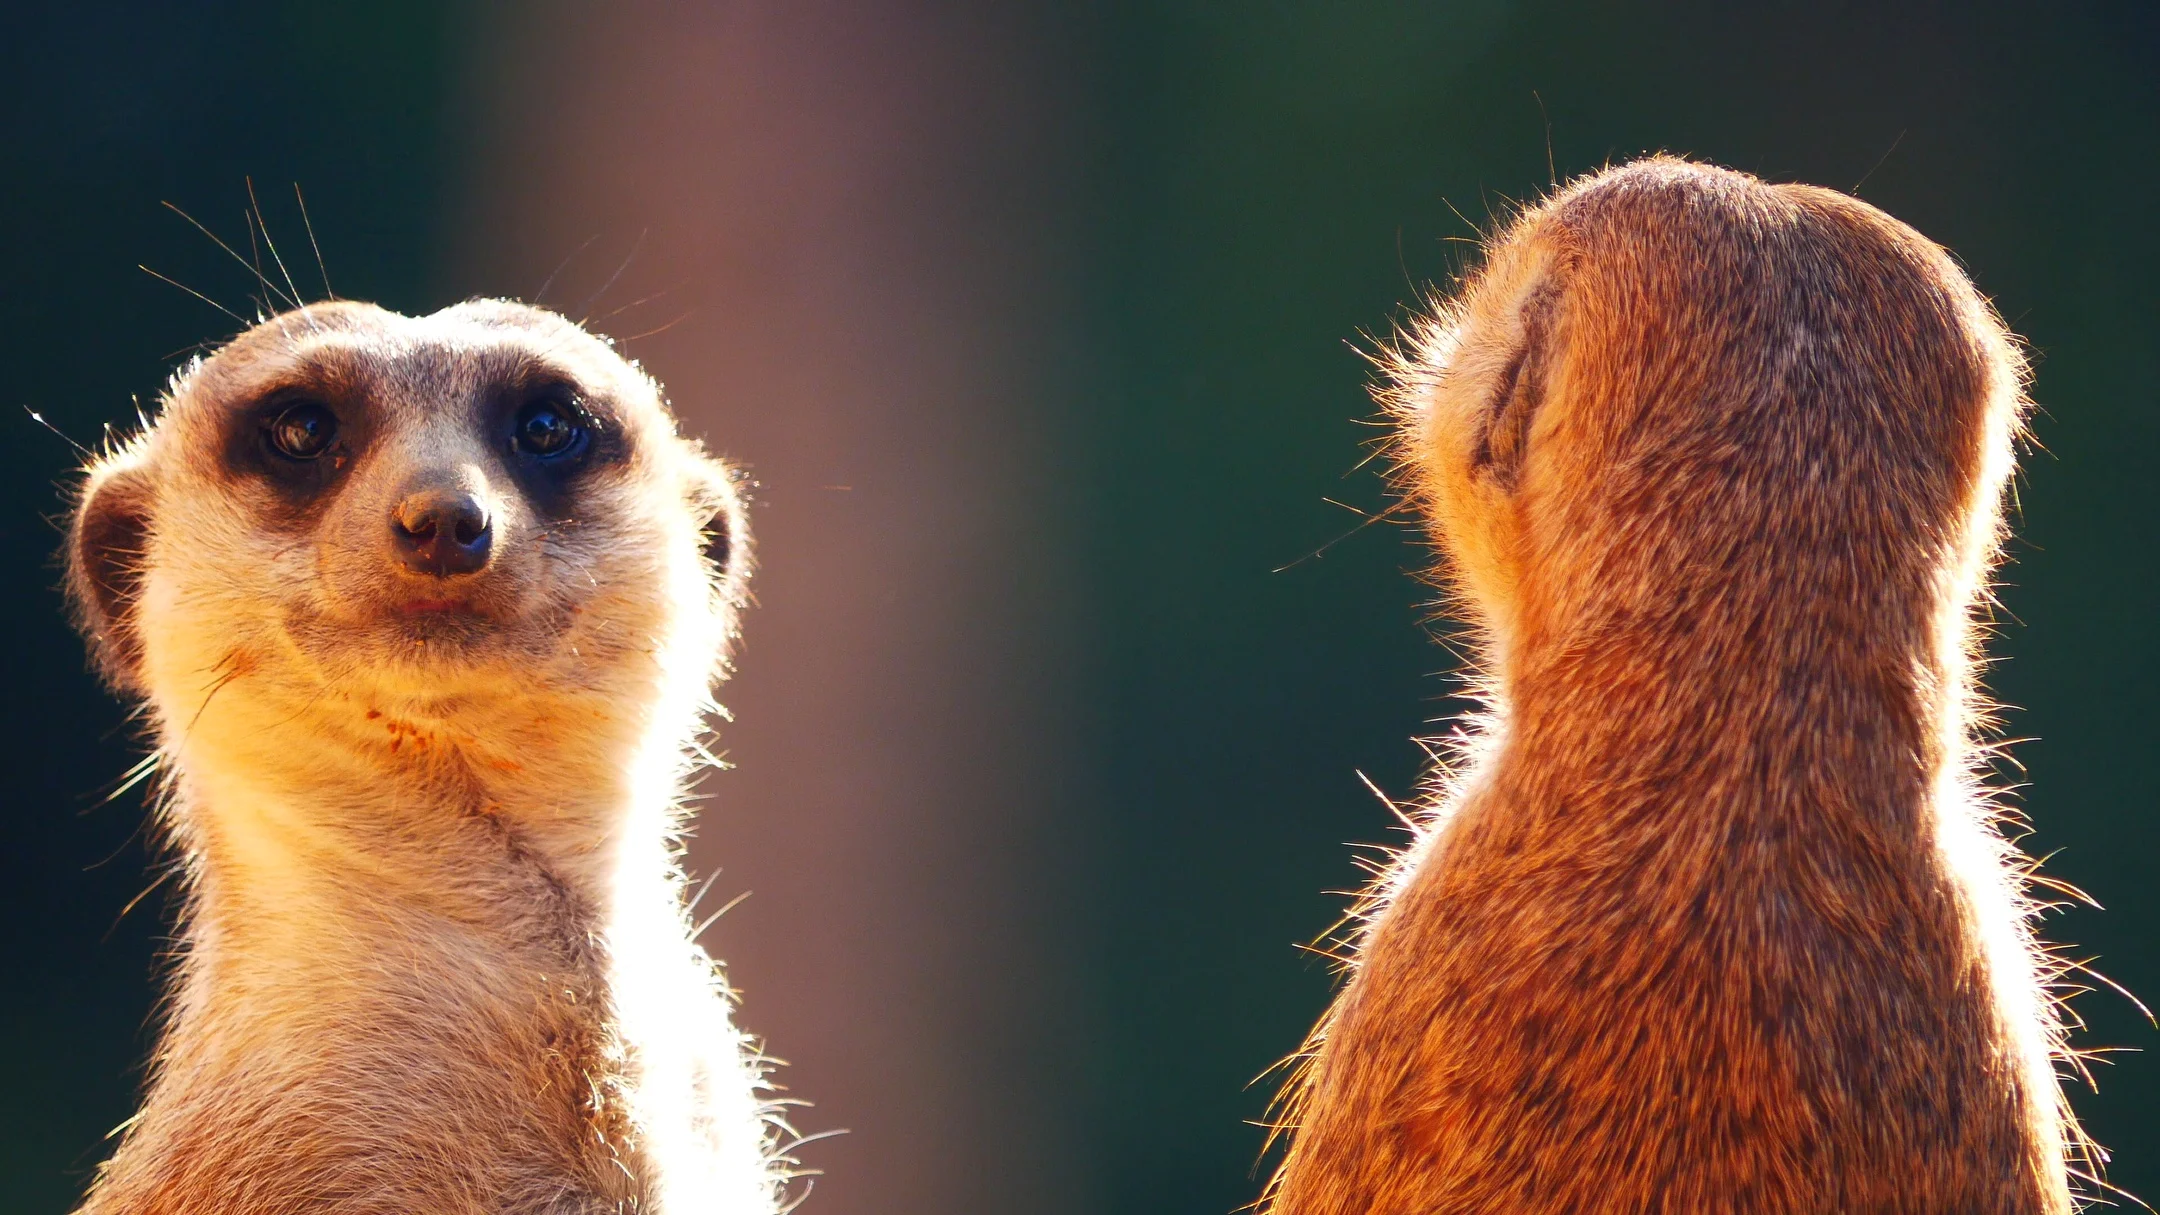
[
  {"x": 1713, "y": 916},
  {"x": 433, "y": 955}
]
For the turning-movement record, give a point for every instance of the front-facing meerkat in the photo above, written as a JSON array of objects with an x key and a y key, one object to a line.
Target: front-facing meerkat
[
  {"x": 425, "y": 613},
  {"x": 1713, "y": 917}
]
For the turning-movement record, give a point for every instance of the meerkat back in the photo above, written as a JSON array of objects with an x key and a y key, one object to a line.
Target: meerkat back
[
  {"x": 1711, "y": 914},
  {"x": 425, "y": 613}
]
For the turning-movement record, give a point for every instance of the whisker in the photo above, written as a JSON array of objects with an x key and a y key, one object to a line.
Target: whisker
[
  {"x": 1369, "y": 520},
  {"x": 1552, "y": 175},
  {"x": 662, "y": 329},
  {"x": 309, "y": 224},
  {"x": 262, "y": 302},
  {"x": 1459, "y": 215},
  {"x": 192, "y": 291},
  {"x": 229, "y": 251},
  {"x": 292, "y": 287},
  {"x": 634, "y": 303},
  {"x": 80, "y": 450},
  {"x": 605, "y": 287},
  {"x": 1879, "y": 162},
  {"x": 562, "y": 265},
  {"x": 264, "y": 227}
]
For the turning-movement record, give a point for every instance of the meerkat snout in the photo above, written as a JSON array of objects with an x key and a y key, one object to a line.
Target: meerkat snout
[{"x": 442, "y": 532}]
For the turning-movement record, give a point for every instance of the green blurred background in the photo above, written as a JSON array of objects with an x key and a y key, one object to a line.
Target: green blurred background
[{"x": 1066, "y": 298}]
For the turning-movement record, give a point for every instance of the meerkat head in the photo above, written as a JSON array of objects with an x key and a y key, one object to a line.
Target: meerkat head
[
  {"x": 1670, "y": 384},
  {"x": 395, "y": 529}
]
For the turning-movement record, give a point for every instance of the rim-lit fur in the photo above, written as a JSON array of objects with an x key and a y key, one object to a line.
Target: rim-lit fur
[
  {"x": 1713, "y": 914},
  {"x": 432, "y": 955}
]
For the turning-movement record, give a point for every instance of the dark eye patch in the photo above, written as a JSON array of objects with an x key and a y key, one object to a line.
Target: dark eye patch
[
  {"x": 553, "y": 436},
  {"x": 297, "y": 441}
]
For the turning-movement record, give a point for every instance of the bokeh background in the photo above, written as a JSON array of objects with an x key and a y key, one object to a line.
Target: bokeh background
[{"x": 1038, "y": 325}]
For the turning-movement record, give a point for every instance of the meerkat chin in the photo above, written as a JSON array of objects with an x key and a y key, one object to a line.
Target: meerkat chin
[{"x": 426, "y": 613}]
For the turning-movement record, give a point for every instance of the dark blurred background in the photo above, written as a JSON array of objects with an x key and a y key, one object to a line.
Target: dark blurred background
[{"x": 1038, "y": 326}]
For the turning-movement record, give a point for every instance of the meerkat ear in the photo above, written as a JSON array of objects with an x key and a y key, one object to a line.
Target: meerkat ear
[
  {"x": 716, "y": 491},
  {"x": 1519, "y": 391},
  {"x": 1468, "y": 395},
  {"x": 1470, "y": 387},
  {"x": 107, "y": 538}
]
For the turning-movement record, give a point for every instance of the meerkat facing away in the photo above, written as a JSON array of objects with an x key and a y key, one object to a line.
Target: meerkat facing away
[
  {"x": 425, "y": 613},
  {"x": 1713, "y": 915}
]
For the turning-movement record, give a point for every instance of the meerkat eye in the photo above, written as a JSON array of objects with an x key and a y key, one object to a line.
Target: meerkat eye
[
  {"x": 549, "y": 428},
  {"x": 303, "y": 431}
]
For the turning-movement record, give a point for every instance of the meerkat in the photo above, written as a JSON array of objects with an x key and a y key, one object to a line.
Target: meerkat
[
  {"x": 1714, "y": 914},
  {"x": 424, "y": 614}
]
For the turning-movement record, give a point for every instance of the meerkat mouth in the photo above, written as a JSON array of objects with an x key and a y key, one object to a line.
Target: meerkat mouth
[
  {"x": 445, "y": 619},
  {"x": 438, "y": 607},
  {"x": 426, "y": 630}
]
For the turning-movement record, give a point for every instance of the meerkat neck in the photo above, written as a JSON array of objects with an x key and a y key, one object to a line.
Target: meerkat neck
[
  {"x": 1813, "y": 719},
  {"x": 273, "y": 862},
  {"x": 455, "y": 965},
  {"x": 466, "y": 895}
]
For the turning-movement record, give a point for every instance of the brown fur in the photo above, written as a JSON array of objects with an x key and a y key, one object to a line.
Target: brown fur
[
  {"x": 1714, "y": 916},
  {"x": 433, "y": 952}
]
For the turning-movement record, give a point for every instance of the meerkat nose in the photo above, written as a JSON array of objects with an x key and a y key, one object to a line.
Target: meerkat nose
[{"x": 441, "y": 533}]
